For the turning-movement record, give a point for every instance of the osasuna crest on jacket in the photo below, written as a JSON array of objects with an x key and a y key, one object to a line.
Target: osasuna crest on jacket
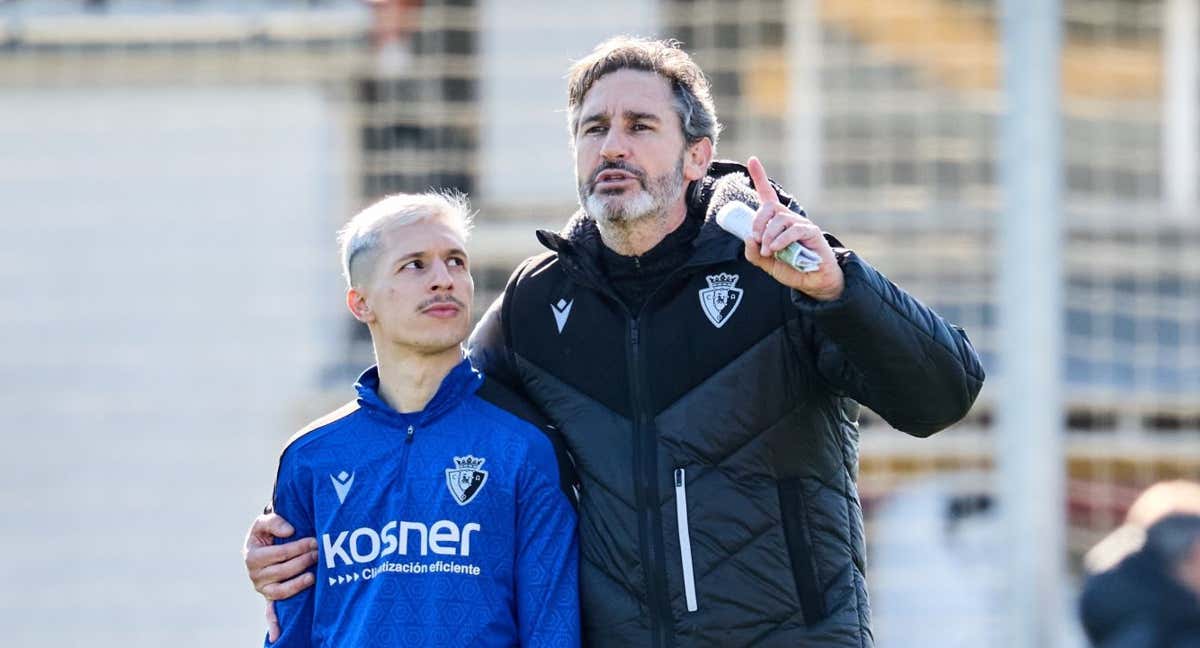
[
  {"x": 466, "y": 478},
  {"x": 714, "y": 430},
  {"x": 721, "y": 298},
  {"x": 453, "y": 526}
]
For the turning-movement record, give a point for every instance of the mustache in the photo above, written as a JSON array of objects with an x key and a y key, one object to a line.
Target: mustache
[
  {"x": 616, "y": 165},
  {"x": 441, "y": 299}
]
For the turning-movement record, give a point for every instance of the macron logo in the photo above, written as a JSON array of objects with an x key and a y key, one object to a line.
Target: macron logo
[
  {"x": 562, "y": 310},
  {"x": 342, "y": 483}
]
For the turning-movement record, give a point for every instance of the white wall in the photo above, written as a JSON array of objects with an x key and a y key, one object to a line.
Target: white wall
[{"x": 159, "y": 249}]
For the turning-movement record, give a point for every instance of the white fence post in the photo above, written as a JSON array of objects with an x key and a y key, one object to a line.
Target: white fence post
[{"x": 1030, "y": 442}]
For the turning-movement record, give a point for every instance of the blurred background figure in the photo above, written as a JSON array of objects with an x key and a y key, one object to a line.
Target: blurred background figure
[
  {"x": 395, "y": 22},
  {"x": 1156, "y": 502},
  {"x": 1151, "y": 599},
  {"x": 939, "y": 530}
]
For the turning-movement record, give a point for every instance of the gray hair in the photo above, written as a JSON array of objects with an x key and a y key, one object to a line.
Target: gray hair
[
  {"x": 360, "y": 237},
  {"x": 689, "y": 87}
]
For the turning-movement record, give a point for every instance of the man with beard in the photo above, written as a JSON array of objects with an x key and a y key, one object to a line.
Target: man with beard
[{"x": 717, "y": 447}]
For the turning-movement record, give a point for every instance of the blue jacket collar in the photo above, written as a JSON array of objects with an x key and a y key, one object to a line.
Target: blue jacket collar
[{"x": 461, "y": 382}]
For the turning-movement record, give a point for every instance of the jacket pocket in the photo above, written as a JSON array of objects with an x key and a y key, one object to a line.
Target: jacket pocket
[
  {"x": 685, "y": 540},
  {"x": 798, "y": 536}
]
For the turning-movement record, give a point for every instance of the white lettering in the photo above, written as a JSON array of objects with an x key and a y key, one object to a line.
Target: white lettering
[
  {"x": 405, "y": 527},
  {"x": 466, "y": 538},
  {"x": 373, "y": 537},
  {"x": 389, "y": 538},
  {"x": 335, "y": 550},
  {"x": 365, "y": 544},
  {"x": 443, "y": 531}
]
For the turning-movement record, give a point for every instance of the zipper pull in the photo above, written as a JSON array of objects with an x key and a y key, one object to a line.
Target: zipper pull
[
  {"x": 685, "y": 542},
  {"x": 409, "y": 436}
]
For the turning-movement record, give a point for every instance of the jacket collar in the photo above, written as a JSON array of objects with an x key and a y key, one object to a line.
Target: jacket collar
[{"x": 462, "y": 381}]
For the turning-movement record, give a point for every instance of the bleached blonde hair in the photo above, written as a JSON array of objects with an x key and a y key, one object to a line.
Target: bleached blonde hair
[{"x": 359, "y": 239}]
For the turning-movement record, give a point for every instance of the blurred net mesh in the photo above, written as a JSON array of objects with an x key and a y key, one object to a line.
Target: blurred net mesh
[
  {"x": 909, "y": 112},
  {"x": 907, "y": 105}
]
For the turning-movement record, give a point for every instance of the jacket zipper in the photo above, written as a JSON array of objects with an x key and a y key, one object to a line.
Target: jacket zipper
[
  {"x": 645, "y": 451},
  {"x": 408, "y": 439},
  {"x": 645, "y": 460},
  {"x": 685, "y": 540},
  {"x": 645, "y": 471}
]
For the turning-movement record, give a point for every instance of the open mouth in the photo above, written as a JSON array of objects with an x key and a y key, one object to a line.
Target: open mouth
[
  {"x": 614, "y": 175},
  {"x": 614, "y": 180}
]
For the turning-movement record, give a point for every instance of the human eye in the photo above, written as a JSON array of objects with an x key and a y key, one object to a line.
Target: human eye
[
  {"x": 595, "y": 129},
  {"x": 457, "y": 261},
  {"x": 415, "y": 264}
]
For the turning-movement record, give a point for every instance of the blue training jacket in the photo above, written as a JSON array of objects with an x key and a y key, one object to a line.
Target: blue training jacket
[{"x": 453, "y": 526}]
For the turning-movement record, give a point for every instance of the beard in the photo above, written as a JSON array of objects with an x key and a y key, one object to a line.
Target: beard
[{"x": 655, "y": 195}]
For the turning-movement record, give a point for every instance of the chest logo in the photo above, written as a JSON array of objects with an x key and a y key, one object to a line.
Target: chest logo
[
  {"x": 721, "y": 298},
  {"x": 341, "y": 484},
  {"x": 562, "y": 310},
  {"x": 465, "y": 479}
]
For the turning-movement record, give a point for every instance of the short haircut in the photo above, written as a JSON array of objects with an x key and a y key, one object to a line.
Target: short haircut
[
  {"x": 689, "y": 87},
  {"x": 360, "y": 238}
]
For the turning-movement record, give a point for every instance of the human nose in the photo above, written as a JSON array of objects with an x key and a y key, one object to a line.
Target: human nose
[
  {"x": 615, "y": 146},
  {"x": 441, "y": 278}
]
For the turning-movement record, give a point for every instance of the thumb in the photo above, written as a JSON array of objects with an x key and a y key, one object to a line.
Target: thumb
[
  {"x": 273, "y": 631},
  {"x": 754, "y": 256},
  {"x": 270, "y": 526}
]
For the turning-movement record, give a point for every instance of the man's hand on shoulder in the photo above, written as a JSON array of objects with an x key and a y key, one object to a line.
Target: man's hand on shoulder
[
  {"x": 277, "y": 571},
  {"x": 776, "y": 227}
]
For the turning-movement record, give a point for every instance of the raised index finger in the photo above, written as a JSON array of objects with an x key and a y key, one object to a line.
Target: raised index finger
[{"x": 758, "y": 174}]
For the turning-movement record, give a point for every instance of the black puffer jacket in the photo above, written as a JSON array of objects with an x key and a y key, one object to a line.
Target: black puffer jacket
[{"x": 720, "y": 421}]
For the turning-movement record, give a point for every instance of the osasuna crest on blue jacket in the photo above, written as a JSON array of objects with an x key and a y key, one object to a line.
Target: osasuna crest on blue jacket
[{"x": 453, "y": 526}]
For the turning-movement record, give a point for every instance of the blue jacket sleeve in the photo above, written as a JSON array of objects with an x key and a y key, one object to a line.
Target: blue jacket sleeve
[
  {"x": 547, "y": 560},
  {"x": 293, "y": 501}
]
